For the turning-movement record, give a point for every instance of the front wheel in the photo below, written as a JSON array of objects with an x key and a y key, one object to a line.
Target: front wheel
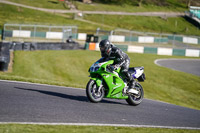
[
  {"x": 92, "y": 92},
  {"x": 136, "y": 99}
]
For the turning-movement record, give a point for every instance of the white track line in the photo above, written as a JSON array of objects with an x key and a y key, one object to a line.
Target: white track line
[{"x": 99, "y": 124}]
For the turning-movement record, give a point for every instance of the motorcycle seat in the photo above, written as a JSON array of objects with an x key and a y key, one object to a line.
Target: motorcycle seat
[
  {"x": 136, "y": 68},
  {"x": 133, "y": 69}
]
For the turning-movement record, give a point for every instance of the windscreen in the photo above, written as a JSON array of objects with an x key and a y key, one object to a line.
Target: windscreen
[{"x": 102, "y": 60}]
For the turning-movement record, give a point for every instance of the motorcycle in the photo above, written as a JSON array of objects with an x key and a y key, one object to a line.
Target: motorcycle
[{"x": 108, "y": 83}]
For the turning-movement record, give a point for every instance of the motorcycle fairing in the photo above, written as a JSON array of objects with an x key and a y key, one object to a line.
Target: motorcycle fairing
[{"x": 113, "y": 83}]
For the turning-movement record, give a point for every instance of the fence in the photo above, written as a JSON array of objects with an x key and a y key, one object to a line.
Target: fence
[
  {"x": 155, "y": 43},
  {"x": 38, "y": 33},
  {"x": 151, "y": 50},
  {"x": 45, "y": 33},
  {"x": 4, "y": 56},
  {"x": 120, "y": 36}
]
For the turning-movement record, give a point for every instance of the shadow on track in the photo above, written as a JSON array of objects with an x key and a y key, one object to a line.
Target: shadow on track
[{"x": 66, "y": 96}]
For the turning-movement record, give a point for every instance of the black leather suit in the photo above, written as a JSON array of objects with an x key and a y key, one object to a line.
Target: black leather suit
[{"x": 121, "y": 59}]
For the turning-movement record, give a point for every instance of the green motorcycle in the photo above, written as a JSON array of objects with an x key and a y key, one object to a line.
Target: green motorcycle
[{"x": 105, "y": 83}]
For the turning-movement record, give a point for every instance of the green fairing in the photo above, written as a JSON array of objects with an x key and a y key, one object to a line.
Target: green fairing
[{"x": 114, "y": 84}]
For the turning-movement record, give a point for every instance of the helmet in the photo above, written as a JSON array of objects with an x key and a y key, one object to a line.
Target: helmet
[{"x": 105, "y": 46}]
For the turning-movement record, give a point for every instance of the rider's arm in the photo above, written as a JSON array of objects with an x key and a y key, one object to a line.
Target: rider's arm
[{"x": 120, "y": 58}]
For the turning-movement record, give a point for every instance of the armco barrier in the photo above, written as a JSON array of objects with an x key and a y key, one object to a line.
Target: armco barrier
[
  {"x": 151, "y": 39},
  {"x": 160, "y": 40},
  {"x": 4, "y": 56},
  {"x": 190, "y": 40},
  {"x": 116, "y": 38},
  {"x": 123, "y": 47},
  {"x": 38, "y": 34},
  {"x": 43, "y": 46},
  {"x": 21, "y": 33},
  {"x": 112, "y": 38},
  {"x": 86, "y": 45},
  {"x": 6, "y": 47},
  {"x": 135, "y": 49},
  {"x": 158, "y": 51},
  {"x": 164, "y": 51},
  {"x": 192, "y": 53},
  {"x": 139, "y": 39},
  {"x": 150, "y": 50},
  {"x": 179, "y": 52},
  {"x": 131, "y": 39},
  {"x": 35, "y": 32}
]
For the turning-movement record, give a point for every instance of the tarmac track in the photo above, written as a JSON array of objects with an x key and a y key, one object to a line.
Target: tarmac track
[
  {"x": 35, "y": 103},
  {"x": 191, "y": 66}
]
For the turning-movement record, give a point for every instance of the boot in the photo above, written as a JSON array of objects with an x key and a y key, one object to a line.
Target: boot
[
  {"x": 130, "y": 79},
  {"x": 132, "y": 84},
  {"x": 131, "y": 89}
]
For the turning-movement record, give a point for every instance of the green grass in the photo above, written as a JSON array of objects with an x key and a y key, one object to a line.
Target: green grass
[
  {"x": 174, "y": 6},
  {"x": 16, "y": 128},
  {"x": 14, "y": 14},
  {"x": 70, "y": 68},
  {"x": 128, "y": 8},
  {"x": 147, "y": 24},
  {"x": 50, "y": 4}
]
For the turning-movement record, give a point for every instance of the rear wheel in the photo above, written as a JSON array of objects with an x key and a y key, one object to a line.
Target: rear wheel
[
  {"x": 92, "y": 92},
  {"x": 136, "y": 99}
]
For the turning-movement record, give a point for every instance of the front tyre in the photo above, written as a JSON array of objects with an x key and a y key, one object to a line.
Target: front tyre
[
  {"x": 92, "y": 92},
  {"x": 136, "y": 99}
]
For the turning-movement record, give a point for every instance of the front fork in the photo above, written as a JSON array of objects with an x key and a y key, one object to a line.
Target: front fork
[
  {"x": 99, "y": 83},
  {"x": 125, "y": 88}
]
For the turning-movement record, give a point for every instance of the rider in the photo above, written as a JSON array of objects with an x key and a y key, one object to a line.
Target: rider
[{"x": 121, "y": 59}]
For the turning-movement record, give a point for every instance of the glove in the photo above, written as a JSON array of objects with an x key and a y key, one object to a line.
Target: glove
[{"x": 113, "y": 67}]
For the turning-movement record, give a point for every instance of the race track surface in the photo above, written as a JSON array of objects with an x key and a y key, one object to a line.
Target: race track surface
[
  {"x": 191, "y": 66},
  {"x": 22, "y": 102}
]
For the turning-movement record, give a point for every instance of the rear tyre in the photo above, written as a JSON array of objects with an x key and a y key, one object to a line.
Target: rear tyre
[
  {"x": 135, "y": 100},
  {"x": 92, "y": 92}
]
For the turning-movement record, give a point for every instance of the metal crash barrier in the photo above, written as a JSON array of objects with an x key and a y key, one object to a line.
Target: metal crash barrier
[{"x": 4, "y": 56}]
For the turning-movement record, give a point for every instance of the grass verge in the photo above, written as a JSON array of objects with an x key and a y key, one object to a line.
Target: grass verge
[
  {"x": 129, "y": 7},
  {"x": 18, "y": 128},
  {"x": 176, "y": 25},
  {"x": 14, "y": 14},
  {"x": 70, "y": 68},
  {"x": 174, "y": 6}
]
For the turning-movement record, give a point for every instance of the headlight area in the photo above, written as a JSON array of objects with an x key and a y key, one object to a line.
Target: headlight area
[{"x": 94, "y": 69}]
